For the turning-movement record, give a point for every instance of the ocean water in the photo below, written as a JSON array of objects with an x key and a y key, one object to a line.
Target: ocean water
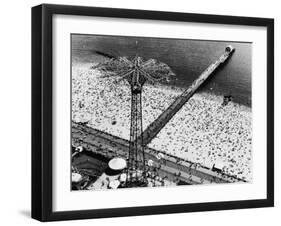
[{"x": 187, "y": 59}]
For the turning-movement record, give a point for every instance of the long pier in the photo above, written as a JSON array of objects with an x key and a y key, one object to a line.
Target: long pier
[
  {"x": 154, "y": 128},
  {"x": 170, "y": 166}
]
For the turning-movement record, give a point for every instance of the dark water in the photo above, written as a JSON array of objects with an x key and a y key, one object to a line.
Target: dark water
[{"x": 187, "y": 59}]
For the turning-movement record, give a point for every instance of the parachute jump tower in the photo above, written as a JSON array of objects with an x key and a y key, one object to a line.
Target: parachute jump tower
[
  {"x": 137, "y": 72},
  {"x": 141, "y": 72}
]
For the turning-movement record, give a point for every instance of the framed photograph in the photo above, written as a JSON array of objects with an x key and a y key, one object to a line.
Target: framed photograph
[{"x": 147, "y": 112}]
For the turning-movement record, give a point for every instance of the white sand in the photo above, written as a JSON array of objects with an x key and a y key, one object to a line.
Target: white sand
[{"x": 202, "y": 131}]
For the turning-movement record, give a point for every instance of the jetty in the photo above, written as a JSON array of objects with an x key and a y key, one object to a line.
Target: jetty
[{"x": 155, "y": 127}]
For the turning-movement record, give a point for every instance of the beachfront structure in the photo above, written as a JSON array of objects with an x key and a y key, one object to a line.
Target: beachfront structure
[
  {"x": 112, "y": 146},
  {"x": 139, "y": 74},
  {"x": 136, "y": 173}
]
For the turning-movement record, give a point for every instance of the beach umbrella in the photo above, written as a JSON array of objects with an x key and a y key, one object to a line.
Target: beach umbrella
[{"x": 117, "y": 163}]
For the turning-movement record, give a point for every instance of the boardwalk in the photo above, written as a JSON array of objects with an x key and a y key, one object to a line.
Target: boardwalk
[{"x": 111, "y": 146}]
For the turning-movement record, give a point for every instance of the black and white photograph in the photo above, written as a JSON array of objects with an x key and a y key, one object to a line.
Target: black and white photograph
[
  {"x": 157, "y": 112},
  {"x": 146, "y": 112}
]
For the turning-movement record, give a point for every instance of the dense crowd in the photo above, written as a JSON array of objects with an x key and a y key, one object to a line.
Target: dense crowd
[{"x": 203, "y": 131}]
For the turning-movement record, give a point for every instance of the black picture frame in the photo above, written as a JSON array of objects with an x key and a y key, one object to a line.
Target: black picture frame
[{"x": 42, "y": 107}]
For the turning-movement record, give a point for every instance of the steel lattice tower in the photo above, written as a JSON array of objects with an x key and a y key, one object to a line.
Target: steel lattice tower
[
  {"x": 136, "y": 172},
  {"x": 137, "y": 72}
]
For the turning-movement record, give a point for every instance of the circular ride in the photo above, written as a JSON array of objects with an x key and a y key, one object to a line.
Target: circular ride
[{"x": 117, "y": 164}]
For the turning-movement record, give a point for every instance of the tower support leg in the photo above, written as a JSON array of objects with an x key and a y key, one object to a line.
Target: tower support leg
[{"x": 136, "y": 172}]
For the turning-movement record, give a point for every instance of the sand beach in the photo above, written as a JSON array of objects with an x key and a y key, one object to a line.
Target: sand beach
[{"x": 203, "y": 131}]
